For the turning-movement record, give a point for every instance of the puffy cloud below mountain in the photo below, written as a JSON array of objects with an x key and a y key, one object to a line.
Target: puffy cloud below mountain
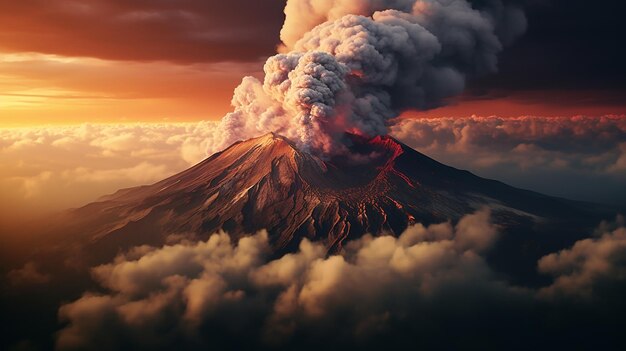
[
  {"x": 181, "y": 292},
  {"x": 590, "y": 267},
  {"x": 380, "y": 291}
]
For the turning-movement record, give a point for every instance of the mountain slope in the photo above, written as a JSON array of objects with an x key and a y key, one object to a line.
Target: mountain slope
[{"x": 380, "y": 185}]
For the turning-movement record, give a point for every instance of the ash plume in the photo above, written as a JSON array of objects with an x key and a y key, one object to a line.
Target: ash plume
[{"x": 353, "y": 66}]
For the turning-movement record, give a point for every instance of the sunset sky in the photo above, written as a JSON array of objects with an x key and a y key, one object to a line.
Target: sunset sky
[
  {"x": 68, "y": 62},
  {"x": 250, "y": 174}
]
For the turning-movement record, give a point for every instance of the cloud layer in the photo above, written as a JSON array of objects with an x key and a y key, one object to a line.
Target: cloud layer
[
  {"x": 40, "y": 89},
  {"x": 174, "y": 293},
  {"x": 590, "y": 267},
  {"x": 578, "y": 157},
  {"x": 352, "y": 66},
  {"x": 51, "y": 168},
  {"x": 27, "y": 275},
  {"x": 381, "y": 290}
]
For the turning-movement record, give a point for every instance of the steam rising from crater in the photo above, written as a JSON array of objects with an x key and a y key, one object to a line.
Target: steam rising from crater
[{"x": 354, "y": 65}]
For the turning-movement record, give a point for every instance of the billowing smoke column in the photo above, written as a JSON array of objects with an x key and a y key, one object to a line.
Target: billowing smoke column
[{"x": 354, "y": 65}]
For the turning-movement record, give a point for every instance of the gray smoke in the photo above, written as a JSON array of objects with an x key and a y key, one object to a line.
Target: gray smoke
[{"x": 355, "y": 65}]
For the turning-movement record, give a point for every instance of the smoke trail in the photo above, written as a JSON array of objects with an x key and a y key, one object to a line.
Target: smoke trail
[{"x": 355, "y": 65}]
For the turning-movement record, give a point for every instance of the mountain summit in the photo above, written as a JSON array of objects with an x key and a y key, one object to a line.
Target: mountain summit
[{"x": 378, "y": 186}]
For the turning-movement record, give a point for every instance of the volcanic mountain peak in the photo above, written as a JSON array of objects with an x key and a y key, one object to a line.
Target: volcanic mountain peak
[
  {"x": 378, "y": 185},
  {"x": 275, "y": 143}
]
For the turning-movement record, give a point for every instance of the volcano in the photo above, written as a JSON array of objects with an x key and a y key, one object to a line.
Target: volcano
[{"x": 378, "y": 186}]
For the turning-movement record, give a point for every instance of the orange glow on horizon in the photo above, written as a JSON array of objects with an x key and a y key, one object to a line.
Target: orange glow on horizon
[
  {"x": 536, "y": 103},
  {"x": 40, "y": 89}
]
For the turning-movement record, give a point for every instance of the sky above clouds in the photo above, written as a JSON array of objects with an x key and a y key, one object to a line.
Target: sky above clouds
[
  {"x": 78, "y": 61},
  {"x": 113, "y": 61}
]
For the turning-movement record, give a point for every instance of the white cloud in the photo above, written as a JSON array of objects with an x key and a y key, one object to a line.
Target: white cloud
[{"x": 51, "y": 168}]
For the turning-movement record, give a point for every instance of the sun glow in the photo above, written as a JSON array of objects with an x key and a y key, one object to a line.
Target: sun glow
[{"x": 52, "y": 89}]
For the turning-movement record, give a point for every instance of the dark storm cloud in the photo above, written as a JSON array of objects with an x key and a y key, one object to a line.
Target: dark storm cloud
[
  {"x": 573, "y": 44},
  {"x": 429, "y": 286},
  {"x": 181, "y": 31}
]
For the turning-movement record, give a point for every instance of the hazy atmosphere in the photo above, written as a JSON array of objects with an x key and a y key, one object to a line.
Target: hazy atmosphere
[{"x": 304, "y": 174}]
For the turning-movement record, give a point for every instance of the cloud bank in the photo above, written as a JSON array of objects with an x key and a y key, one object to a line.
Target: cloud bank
[
  {"x": 381, "y": 291},
  {"x": 578, "y": 157},
  {"x": 51, "y": 168},
  {"x": 590, "y": 267},
  {"x": 161, "y": 296}
]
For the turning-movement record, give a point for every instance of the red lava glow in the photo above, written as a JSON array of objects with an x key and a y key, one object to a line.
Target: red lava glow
[
  {"x": 357, "y": 131},
  {"x": 391, "y": 145},
  {"x": 357, "y": 73}
]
